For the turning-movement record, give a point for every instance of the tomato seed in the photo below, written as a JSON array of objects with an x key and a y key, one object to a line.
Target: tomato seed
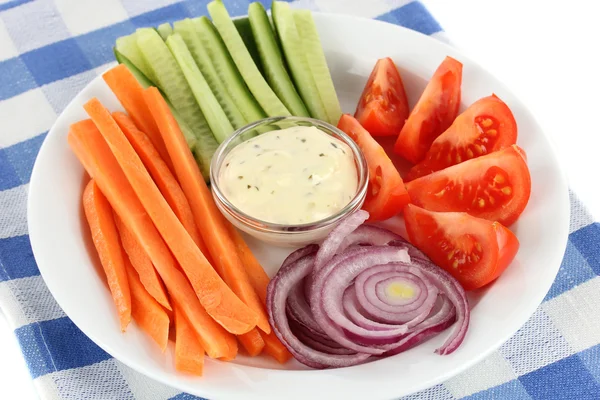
[{"x": 486, "y": 123}]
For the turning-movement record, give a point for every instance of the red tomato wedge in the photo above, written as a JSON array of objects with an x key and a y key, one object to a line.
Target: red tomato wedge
[
  {"x": 434, "y": 113},
  {"x": 486, "y": 126},
  {"x": 473, "y": 250},
  {"x": 386, "y": 194},
  {"x": 495, "y": 187},
  {"x": 383, "y": 107}
]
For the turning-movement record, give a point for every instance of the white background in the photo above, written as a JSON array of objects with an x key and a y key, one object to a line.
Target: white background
[{"x": 547, "y": 52}]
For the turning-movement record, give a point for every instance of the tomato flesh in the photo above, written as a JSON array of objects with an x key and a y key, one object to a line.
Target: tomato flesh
[
  {"x": 383, "y": 106},
  {"x": 386, "y": 194},
  {"x": 434, "y": 112},
  {"x": 495, "y": 187},
  {"x": 486, "y": 126},
  {"x": 473, "y": 250}
]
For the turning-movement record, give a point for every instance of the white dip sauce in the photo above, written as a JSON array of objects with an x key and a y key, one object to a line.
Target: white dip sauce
[{"x": 290, "y": 176}]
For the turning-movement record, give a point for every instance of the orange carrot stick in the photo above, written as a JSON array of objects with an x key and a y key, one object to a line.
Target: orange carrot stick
[
  {"x": 275, "y": 349},
  {"x": 106, "y": 240},
  {"x": 130, "y": 94},
  {"x": 189, "y": 354},
  {"x": 95, "y": 155},
  {"x": 146, "y": 311},
  {"x": 216, "y": 297},
  {"x": 252, "y": 342},
  {"x": 260, "y": 280},
  {"x": 208, "y": 218},
  {"x": 163, "y": 177},
  {"x": 142, "y": 264},
  {"x": 257, "y": 275}
]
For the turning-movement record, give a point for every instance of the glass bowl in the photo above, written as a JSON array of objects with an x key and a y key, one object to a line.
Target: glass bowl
[{"x": 281, "y": 234}]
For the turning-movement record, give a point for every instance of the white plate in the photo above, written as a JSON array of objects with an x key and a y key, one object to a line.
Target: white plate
[{"x": 60, "y": 242}]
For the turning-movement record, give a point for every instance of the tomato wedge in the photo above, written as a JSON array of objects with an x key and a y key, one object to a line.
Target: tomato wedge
[
  {"x": 495, "y": 187},
  {"x": 386, "y": 194},
  {"x": 473, "y": 250},
  {"x": 486, "y": 126},
  {"x": 434, "y": 112},
  {"x": 383, "y": 107}
]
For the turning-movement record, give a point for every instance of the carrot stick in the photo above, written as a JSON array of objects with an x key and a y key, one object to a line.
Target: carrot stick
[
  {"x": 252, "y": 342},
  {"x": 275, "y": 349},
  {"x": 95, "y": 155},
  {"x": 257, "y": 275},
  {"x": 142, "y": 264},
  {"x": 106, "y": 240},
  {"x": 216, "y": 297},
  {"x": 163, "y": 177},
  {"x": 260, "y": 280},
  {"x": 130, "y": 94},
  {"x": 208, "y": 218},
  {"x": 189, "y": 354},
  {"x": 146, "y": 311}
]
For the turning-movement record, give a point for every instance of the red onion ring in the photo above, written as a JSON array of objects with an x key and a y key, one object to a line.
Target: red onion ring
[{"x": 364, "y": 292}]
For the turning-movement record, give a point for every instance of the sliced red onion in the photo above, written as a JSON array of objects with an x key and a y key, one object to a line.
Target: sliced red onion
[
  {"x": 410, "y": 313},
  {"x": 332, "y": 243},
  {"x": 439, "y": 321},
  {"x": 369, "y": 235},
  {"x": 317, "y": 342},
  {"x": 277, "y": 293},
  {"x": 456, "y": 294},
  {"x": 365, "y": 292},
  {"x": 353, "y": 261},
  {"x": 356, "y": 313}
]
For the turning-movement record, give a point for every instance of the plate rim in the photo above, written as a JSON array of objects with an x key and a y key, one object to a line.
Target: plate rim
[{"x": 197, "y": 390}]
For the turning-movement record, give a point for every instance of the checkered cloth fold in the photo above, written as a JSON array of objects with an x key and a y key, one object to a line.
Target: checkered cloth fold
[{"x": 49, "y": 51}]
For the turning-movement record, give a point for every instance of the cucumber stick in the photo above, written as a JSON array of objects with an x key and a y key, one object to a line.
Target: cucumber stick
[
  {"x": 128, "y": 47},
  {"x": 215, "y": 116},
  {"x": 261, "y": 90},
  {"x": 165, "y": 30},
  {"x": 186, "y": 29},
  {"x": 318, "y": 64},
  {"x": 293, "y": 49},
  {"x": 170, "y": 79},
  {"x": 272, "y": 60},
  {"x": 227, "y": 71},
  {"x": 189, "y": 136},
  {"x": 245, "y": 30}
]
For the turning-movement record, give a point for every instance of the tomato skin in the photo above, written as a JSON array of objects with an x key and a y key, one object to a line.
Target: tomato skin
[
  {"x": 486, "y": 126},
  {"x": 386, "y": 194},
  {"x": 434, "y": 112},
  {"x": 495, "y": 187},
  {"x": 473, "y": 250},
  {"x": 383, "y": 106}
]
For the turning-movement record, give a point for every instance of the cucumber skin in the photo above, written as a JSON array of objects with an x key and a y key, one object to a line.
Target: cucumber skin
[
  {"x": 285, "y": 27},
  {"x": 272, "y": 59},
  {"x": 243, "y": 27},
  {"x": 260, "y": 89},
  {"x": 213, "y": 113},
  {"x": 318, "y": 64},
  {"x": 187, "y": 31},
  {"x": 127, "y": 46},
  {"x": 181, "y": 97},
  {"x": 227, "y": 71}
]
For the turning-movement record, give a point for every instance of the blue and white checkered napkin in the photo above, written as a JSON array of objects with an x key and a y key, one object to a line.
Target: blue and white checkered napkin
[{"x": 49, "y": 50}]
